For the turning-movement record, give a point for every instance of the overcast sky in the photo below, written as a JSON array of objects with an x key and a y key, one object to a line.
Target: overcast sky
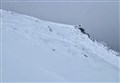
[{"x": 100, "y": 19}]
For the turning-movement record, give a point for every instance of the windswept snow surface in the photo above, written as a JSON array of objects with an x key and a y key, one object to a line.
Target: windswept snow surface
[{"x": 42, "y": 51}]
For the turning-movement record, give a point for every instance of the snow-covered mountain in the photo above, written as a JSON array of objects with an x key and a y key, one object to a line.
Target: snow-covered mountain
[{"x": 34, "y": 50}]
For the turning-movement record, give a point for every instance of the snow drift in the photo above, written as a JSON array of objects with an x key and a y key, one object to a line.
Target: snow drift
[{"x": 34, "y": 50}]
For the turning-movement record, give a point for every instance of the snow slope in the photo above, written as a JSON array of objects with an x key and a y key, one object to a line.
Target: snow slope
[{"x": 42, "y": 51}]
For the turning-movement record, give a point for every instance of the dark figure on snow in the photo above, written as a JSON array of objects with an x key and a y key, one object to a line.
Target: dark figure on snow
[{"x": 82, "y": 30}]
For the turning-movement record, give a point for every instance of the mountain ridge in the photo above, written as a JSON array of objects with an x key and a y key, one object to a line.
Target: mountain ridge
[{"x": 58, "y": 41}]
